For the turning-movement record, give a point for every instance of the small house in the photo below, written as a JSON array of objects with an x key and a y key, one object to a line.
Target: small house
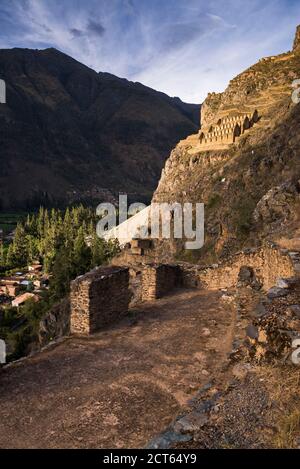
[
  {"x": 21, "y": 299},
  {"x": 35, "y": 267}
]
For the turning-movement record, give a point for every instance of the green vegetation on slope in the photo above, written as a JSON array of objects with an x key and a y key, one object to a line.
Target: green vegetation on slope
[{"x": 67, "y": 245}]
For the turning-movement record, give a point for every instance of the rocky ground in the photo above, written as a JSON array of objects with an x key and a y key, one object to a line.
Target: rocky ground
[
  {"x": 121, "y": 387},
  {"x": 258, "y": 407},
  {"x": 196, "y": 369},
  {"x": 254, "y": 401}
]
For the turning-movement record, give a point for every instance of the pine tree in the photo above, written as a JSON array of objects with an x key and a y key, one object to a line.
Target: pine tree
[
  {"x": 81, "y": 254},
  {"x": 2, "y": 255},
  {"x": 32, "y": 248},
  {"x": 98, "y": 250},
  {"x": 20, "y": 248},
  {"x": 10, "y": 256},
  {"x": 61, "y": 275},
  {"x": 40, "y": 222}
]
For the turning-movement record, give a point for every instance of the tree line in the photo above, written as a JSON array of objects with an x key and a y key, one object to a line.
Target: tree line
[{"x": 67, "y": 245}]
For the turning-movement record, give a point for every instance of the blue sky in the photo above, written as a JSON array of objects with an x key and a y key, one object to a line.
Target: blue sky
[{"x": 185, "y": 48}]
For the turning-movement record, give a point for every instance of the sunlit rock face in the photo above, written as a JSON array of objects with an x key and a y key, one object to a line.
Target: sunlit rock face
[
  {"x": 297, "y": 40},
  {"x": 248, "y": 145}
]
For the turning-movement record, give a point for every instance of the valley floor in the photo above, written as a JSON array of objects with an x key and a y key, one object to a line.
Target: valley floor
[{"x": 123, "y": 386}]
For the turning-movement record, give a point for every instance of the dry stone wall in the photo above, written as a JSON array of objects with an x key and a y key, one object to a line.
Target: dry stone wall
[
  {"x": 103, "y": 296},
  {"x": 269, "y": 263},
  {"x": 159, "y": 279},
  {"x": 99, "y": 298}
]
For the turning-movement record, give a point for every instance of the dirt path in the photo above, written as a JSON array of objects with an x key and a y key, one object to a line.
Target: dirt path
[{"x": 122, "y": 386}]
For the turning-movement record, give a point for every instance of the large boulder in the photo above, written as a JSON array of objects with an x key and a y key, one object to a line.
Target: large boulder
[{"x": 277, "y": 203}]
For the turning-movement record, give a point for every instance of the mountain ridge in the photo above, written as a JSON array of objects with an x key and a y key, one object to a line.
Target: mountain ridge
[
  {"x": 250, "y": 187},
  {"x": 69, "y": 133}
]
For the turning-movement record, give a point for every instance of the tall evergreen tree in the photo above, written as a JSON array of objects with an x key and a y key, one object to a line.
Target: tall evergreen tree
[
  {"x": 20, "y": 248},
  {"x": 2, "y": 255},
  {"x": 81, "y": 254},
  {"x": 61, "y": 275}
]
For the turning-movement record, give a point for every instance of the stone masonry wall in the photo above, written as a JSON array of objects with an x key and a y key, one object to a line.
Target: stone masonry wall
[
  {"x": 158, "y": 279},
  {"x": 269, "y": 264},
  {"x": 99, "y": 298}
]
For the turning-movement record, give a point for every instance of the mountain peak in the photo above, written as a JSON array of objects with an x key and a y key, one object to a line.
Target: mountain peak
[
  {"x": 296, "y": 46},
  {"x": 95, "y": 121}
]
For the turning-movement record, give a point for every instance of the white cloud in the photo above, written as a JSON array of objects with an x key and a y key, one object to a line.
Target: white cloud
[{"x": 185, "y": 51}]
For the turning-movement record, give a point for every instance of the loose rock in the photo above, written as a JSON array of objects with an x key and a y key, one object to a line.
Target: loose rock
[
  {"x": 276, "y": 292},
  {"x": 192, "y": 422}
]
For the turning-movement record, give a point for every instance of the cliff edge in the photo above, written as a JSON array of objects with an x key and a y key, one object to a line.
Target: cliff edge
[{"x": 244, "y": 161}]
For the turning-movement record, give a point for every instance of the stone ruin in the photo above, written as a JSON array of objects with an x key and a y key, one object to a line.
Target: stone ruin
[
  {"x": 159, "y": 279},
  {"x": 103, "y": 296},
  {"x": 226, "y": 130},
  {"x": 99, "y": 298},
  {"x": 269, "y": 263}
]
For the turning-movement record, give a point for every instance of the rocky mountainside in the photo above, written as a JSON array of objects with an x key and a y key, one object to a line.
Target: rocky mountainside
[
  {"x": 251, "y": 189},
  {"x": 68, "y": 133}
]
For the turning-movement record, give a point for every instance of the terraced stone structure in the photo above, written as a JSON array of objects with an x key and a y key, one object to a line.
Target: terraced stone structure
[
  {"x": 226, "y": 130},
  {"x": 99, "y": 298}
]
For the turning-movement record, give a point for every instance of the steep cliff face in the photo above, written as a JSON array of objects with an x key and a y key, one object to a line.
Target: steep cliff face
[
  {"x": 68, "y": 133},
  {"x": 297, "y": 39},
  {"x": 232, "y": 182}
]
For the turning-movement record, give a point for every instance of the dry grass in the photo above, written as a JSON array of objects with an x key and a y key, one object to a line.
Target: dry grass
[
  {"x": 289, "y": 430},
  {"x": 291, "y": 239},
  {"x": 283, "y": 416},
  {"x": 284, "y": 392},
  {"x": 290, "y": 244}
]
